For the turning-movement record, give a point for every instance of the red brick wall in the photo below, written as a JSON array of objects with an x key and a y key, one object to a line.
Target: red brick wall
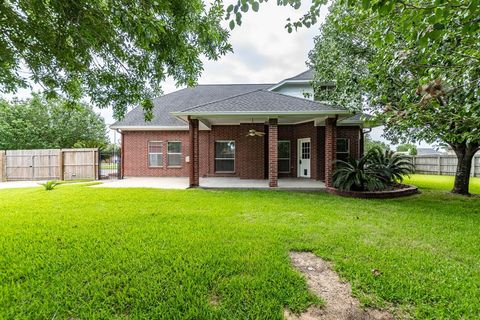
[
  {"x": 353, "y": 134},
  {"x": 250, "y": 160},
  {"x": 135, "y": 153},
  {"x": 249, "y": 151}
]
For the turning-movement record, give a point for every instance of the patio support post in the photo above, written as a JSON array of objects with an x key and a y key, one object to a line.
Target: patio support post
[
  {"x": 194, "y": 153},
  {"x": 273, "y": 153},
  {"x": 330, "y": 149}
]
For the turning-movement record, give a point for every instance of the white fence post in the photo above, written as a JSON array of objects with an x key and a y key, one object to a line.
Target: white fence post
[{"x": 439, "y": 163}]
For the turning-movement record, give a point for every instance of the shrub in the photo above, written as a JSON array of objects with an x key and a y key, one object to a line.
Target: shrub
[
  {"x": 377, "y": 170},
  {"x": 50, "y": 185},
  {"x": 391, "y": 167}
]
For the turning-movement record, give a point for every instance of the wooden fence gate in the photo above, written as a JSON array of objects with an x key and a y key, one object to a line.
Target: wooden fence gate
[{"x": 49, "y": 164}]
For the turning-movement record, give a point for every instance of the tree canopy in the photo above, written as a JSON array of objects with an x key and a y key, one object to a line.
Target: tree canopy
[
  {"x": 115, "y": 52},
  {"x": 370, "y": 144},
  {"x": 38, "y": 124},
  {"x": 414, "y": 65},
  {"x": 411, "y": 149}
]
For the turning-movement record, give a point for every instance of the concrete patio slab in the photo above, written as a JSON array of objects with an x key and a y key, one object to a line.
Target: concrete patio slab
[
  {"x": 210, "y": 183},
  {"x": 236, "y": 183}
]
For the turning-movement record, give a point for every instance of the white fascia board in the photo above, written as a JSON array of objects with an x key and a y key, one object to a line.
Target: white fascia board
[
  {"x": 215, "y": 114},
  {"x": 278, "y": 85},
  {"x": 149, "y": 128}
]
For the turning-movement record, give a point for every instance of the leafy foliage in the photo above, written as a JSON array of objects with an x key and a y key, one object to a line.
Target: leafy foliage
[
  {"x": 50, "y": 185},
  {"x": 369, "y": 144},
  {"x": 357, "y": 175},
  {"x": 408, "y": 147},
  {"x": 38, "y": 124},
  {"x": 116, "y": 52},
  {"x": 414, "y": 65},
  {"x": 90, "y": 144},
  {"x": 390, "y": 167},
  {"x": 377, "y": 170}
]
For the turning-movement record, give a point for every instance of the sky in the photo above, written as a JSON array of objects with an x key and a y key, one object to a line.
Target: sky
[{"x": 263, "y": 52}]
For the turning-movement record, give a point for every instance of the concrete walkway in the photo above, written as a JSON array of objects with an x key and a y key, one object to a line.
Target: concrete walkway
[{"x": 19, "y": 184}]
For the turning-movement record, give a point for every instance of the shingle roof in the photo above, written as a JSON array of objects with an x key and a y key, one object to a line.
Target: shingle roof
[
  {"x": 306, "y": 75},
  {"x": 263, "y": 101},
  {"x": 184, "y": 99}
]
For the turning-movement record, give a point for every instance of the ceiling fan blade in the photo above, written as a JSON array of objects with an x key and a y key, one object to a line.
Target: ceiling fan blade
[{"x": 260, "y": 134}]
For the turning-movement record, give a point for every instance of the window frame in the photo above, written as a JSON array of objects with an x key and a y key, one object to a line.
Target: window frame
[
  {"x": 342, "y": 152},
  {"x": 289, "y": 158},
  {"x": 149, "y": 153},
  {"x": 180, "y": 153},
  {"x": 233, "y": 159}
]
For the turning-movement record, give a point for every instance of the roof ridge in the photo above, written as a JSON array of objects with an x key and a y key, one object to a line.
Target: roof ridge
[
  {"x": 303, "y": 99},
  {"x": 219, "y": 100}
]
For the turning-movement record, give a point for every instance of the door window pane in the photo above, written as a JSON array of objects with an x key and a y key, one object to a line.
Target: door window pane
[{"x": 306, "y": 150}]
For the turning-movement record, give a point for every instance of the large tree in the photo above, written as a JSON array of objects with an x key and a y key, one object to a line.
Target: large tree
[
  {"x": 415, "y": 65},
  {"x": 37, "y": 124},
  {"x": 117, "y": 52}
]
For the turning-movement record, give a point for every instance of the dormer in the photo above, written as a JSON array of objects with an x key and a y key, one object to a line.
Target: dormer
[{"x": 298, "y": 86}]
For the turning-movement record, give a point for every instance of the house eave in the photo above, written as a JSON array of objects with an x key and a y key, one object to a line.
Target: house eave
[
  {"x": 272, "y": 114},
  {"x": 149, "y": 128}
]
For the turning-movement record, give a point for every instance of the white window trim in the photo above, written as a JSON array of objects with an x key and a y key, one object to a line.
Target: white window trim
[
  {"x": 149, "y": 153},
  {"x": 348, "y": 146},
  {"x": 289, "y": 158},
  {"x": 180, "y": 153},
  {"x": 234, "y": 156}
]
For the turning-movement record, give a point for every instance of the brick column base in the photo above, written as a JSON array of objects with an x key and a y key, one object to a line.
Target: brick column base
[
  {"x": 273, "y": 153},
  {"x": 330, "y": 149},
  {"x": 194, "y": 153}
]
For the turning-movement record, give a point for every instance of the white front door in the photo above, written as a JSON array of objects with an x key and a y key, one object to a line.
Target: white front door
[{"x": 303, "y": 156}]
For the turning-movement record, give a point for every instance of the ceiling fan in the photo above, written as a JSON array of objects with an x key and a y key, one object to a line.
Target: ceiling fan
[{"x": 254, "y": 133}]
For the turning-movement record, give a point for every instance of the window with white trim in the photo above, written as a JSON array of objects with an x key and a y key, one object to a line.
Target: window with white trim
[
  {"x": 225, "y": 156},
  {"x": 284, "y": 156},
  {"x": 343, "y": 148},
  {"x": 155, "y": 154},
  {"x": 174, "y": 154}
]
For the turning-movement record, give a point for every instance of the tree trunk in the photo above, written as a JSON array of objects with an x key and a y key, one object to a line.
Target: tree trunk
[{"x": 465, "y": 155}]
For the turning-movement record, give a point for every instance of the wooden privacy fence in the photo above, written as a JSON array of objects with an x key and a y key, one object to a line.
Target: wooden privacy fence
[
  {"x": 49, "y": 164},
  {"x": 442, "y": 165}
]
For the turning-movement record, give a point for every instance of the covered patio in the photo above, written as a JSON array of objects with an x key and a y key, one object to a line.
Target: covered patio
[{"x": 212, "y": 183}]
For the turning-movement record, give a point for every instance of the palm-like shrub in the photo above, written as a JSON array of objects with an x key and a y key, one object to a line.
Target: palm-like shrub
[
  {"x": 50, "y": 185},
  {"x": 377, "y": 170},
  {"x": 356, "y": 175},
  {"x": 390, "y": 166}
]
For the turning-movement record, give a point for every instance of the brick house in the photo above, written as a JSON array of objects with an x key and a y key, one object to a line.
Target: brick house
[{"x": 247, "y": 131}]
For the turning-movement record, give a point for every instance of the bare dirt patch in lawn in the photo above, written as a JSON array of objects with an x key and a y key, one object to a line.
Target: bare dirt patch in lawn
[{"x": 324, "y": 282}]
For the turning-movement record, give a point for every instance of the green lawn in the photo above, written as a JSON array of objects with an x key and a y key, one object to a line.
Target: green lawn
[{"x": 85, "y": 253}]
